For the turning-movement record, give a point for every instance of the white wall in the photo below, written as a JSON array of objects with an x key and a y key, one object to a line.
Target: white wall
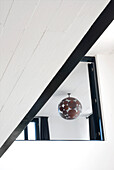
[
  {"x": 105, "y": 65},
  {"x": 92, "y": 155},
  {"x": 61, "y": 129}
]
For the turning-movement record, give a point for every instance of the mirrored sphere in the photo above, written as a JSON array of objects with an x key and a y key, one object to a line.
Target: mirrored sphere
[{"x": 69, "y": 108}]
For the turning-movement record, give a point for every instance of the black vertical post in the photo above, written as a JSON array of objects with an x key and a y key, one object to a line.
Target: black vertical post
[
  {"x": 37, "y": 129},
  {"x": 96, "y": 132},
  {"x": 26, "y": 133},
  {"x": 44, "y": 129},
  {"x": 92, "y": 128}
]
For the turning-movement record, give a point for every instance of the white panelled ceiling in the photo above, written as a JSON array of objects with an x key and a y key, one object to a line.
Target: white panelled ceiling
[{"x": 36, "y": 38}]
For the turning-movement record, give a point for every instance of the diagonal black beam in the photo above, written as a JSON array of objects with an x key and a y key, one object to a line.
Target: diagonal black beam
[{"x": 95, "y": 31}]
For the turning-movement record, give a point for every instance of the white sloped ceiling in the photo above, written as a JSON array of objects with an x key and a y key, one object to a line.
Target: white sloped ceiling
[{"x": 36, "y": 38}]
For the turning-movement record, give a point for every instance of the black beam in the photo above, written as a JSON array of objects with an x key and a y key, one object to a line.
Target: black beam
[{"x": 95, "y": 31}]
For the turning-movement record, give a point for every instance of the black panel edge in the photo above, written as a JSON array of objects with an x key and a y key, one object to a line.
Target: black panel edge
[
  {"x": 98, "y": 100},
  {"x": 95, "y": 31},
  {"x": 95, "y": 120},
  {"x": 88, "y": 59}
]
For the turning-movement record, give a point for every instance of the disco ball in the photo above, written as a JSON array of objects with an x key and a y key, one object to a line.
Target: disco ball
[{"x": 69, "y": 108}]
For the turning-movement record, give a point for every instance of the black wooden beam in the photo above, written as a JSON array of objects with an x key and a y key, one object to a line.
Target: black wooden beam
[{"x": 95, "y": 31}]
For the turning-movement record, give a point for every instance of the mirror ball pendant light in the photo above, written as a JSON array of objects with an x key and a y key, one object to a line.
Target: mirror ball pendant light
[{"x": 69, "y": 108}]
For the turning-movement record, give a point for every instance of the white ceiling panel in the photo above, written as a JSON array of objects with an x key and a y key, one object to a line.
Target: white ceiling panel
[
  {"x": 18, "y": 17},
  {"x": 44, "y": 14},
  {"x": 38, "y": 60},
  {"x": 8, "y": 44},
  {"x": 20, "y": 13},
  {"x": 18, "y": 64},
  {"x": 5, "y": 8},
  {"x": 26, "y": 46},
  {"x": 66, "y": 14}
]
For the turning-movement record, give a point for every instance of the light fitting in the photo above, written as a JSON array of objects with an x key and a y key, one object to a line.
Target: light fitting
[{"x": 69, "y": 108}]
